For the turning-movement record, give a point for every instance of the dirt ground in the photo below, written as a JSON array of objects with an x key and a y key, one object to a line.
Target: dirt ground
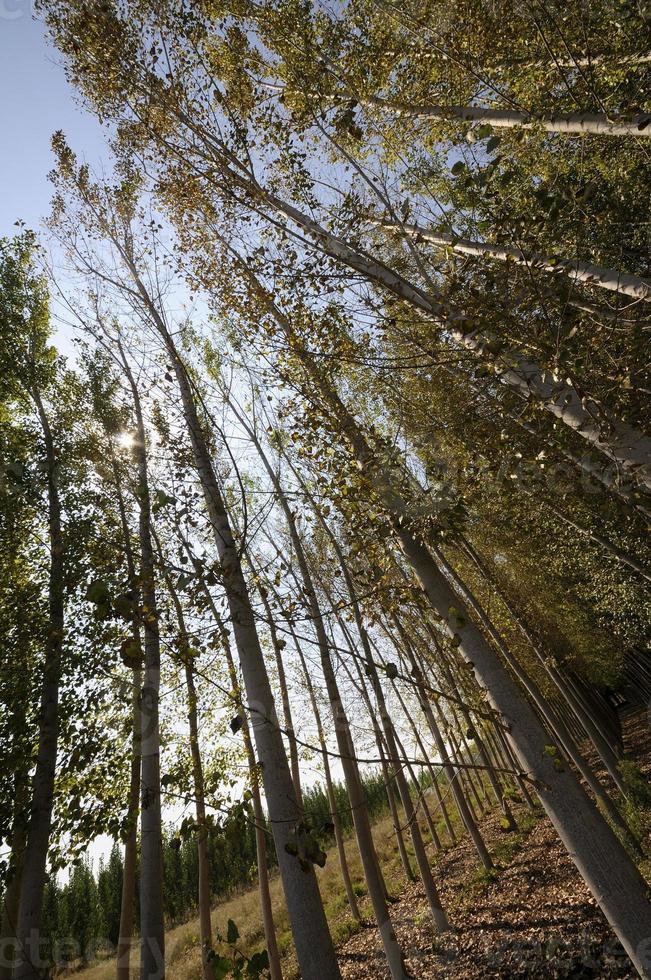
[{"x": 535, "y": 918}]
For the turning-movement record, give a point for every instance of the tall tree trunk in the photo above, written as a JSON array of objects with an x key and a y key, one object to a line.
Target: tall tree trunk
[
  {"x": 205, "y": 925},
  {"x": 312, "y": 938},
  {"x": 434, "y": 775},
  {"x": 11, "y": 897},
  {"x": 125, "y": 937},
  {"x": 556, "y": 725},
  {"x": 458, "y": 793},
  {"x": 481, "y": 749},
  {"x": 439, "y": 916},
  {"x": 431, "y": 892},
  {"x": 28, "y": 929},
  {"x": 374, "y": 879},
  {"x": 602, "y": 861},
  {"x": 266, "y": 908},
  {"x": 581, "y": 123},
  {"x": 185, "y": 656},
  {"x": 418, "y": 792},
  {"x": 330, "y": 792},
  {"x": 152, "y": 926},
  {"x": 278, "y": 645},
  {"x": 584, "y": 272},
  {"x": 504, "y": 743},
  {"x": 127, "y": 898},
  {"x": 388, "y": 775}
]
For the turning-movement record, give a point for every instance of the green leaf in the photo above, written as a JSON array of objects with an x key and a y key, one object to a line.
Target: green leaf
[
  {"x": 493, "y": 143},
  {"x": 257, "y": 963},
  {"x": 458, "y": 168},
  {"x": 98, "y": 592},
  {"x": 232, "y": 933},
  {"x": 221, "y": 966}
]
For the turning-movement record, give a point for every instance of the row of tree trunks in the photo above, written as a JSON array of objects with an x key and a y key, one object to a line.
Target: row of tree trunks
[{"x": 32, "y": 881}]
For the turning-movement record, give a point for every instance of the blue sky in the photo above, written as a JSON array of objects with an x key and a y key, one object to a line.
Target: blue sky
[{"x": 36, "y": 101}]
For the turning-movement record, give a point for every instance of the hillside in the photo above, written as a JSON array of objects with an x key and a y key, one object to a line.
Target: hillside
[{"x": 532, "y": 917}]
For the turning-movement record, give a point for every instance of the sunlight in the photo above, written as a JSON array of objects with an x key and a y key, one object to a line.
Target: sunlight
[{"x": 125, "y": 440}]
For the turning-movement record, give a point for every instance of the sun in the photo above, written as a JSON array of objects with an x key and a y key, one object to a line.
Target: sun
[{"x": 125, "y": 440}]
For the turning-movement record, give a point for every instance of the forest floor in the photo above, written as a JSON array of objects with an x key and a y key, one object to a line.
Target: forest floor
[{"x": 531, "y": 917}]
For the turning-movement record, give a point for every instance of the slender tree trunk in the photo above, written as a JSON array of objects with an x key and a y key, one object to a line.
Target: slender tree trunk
[
  {"x": 28, "y": 929},
  {"x": 266, "y": 909},
  {"x": 457, "y": 791},
  {"x": 434, "y": 775},
  {"x": 125, "y": 938},
  {"x": 361, "y": 821},
  {"x": 312, "y": 938},
  {"x": 332, "y": 801},
  {"x": 556, "y": 726},
  {"x": 476, "y": 736},
  {"x": 580, "y": 123},
  {"x": 440, "y": 919},
  {"x": 372, "y": 872},
  {"x": 431, "y": 892},
  {"x": 152, "y": 926},
  {"x": 205, "y": 925},
  {"x": 362, "y": 826},
  {"x": 420, "y": 795},
  {"x": 602, "y": 861},
  {"x": 11, "y": 897},
  {"x": 465, "y": 773},
  {"x": 373, "y": 875},
  {"x": 277, "y": 645},
  {"x": 505, "y": 744},
  {"x": 388, "y": 775},
  {"x": 127, "y": 898},
  {"x": 584, "y": 272}
]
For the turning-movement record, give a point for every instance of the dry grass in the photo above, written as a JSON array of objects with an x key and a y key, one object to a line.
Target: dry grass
[{"x": 182, "y": 947}]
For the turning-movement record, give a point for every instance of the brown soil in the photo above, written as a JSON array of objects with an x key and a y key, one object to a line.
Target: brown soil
[{"x": 536, "y": 918}]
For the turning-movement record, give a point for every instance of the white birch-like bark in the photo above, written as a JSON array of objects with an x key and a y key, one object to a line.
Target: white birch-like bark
[
  {"x": 617, "y": 440},
  {"x": 571, "y": 123},
  {"x": 152, "y": 925},
  {"x": 266, "y": 908},
  {"x": 312, "y": 938},
  {"x": 583, "y": 272},
  {"x": 601, "y": 859}
]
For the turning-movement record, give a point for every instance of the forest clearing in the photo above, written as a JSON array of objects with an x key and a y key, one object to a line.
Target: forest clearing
[{"x": 325, "y": 490}]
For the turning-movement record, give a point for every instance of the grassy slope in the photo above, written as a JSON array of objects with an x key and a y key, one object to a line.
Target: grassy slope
[
  {"x": 535, "y": 851},
  {"x": 182, "y": 951}
]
